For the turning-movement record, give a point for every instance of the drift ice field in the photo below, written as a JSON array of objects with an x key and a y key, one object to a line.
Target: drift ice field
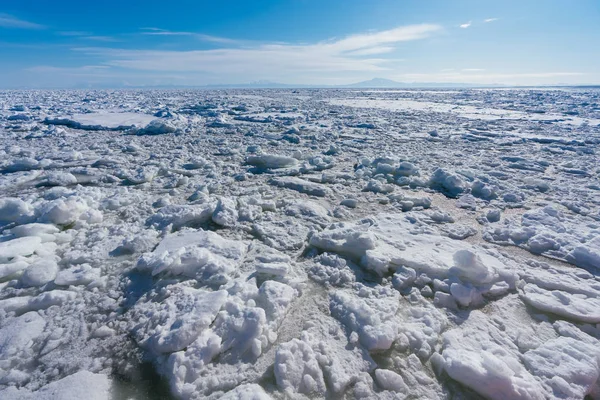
[{"x": 302, "y": 244}]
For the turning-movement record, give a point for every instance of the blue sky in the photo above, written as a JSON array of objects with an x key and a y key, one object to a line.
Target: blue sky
[{"x": 75, "y": 43}]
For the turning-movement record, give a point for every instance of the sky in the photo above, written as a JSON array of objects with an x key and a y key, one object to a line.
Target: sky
[{"x": 108, "y": 43}]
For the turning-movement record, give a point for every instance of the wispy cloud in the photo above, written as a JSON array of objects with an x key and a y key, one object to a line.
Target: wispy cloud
[
  {"x": 490, "y": 20},
  {"x": 200, "y": 36},
  {"x": 216, "y": 39},
  {"x": 270, "y": 61},
  {"x": 8, "y": 21},
  {"x": 85, "y": 68},
  {"x": 466, "y": 25},
  {"x": 472, "y": 70},
  {"x": 83, "y": 35},
  {"x": 100, "y": 38},
  {"x": 73, "y": 33},
  {"x": 164, "y": 32}
]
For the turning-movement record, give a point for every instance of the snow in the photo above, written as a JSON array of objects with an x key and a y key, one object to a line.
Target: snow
[{"x": 270, "y": 244}]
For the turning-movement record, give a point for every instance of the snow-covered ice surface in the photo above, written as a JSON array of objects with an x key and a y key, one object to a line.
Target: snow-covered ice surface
[{"x": 272, "y": 244}]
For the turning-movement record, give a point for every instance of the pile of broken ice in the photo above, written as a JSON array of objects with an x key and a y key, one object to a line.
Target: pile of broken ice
[{"x": 278, "y": 245}]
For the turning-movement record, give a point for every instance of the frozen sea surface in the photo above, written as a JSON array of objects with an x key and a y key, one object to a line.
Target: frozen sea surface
[{"x": 273, "y": 244}]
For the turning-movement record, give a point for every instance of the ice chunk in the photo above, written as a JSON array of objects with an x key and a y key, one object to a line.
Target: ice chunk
[
  {"x": 586, "y": 255},
  {"x": 569, "y": 366},
  {"x": 350, "y": 203},
  {"x": 470, "y": 267},
  {"x": 63, "y": 212},
  {"x": 373, "y": 318},
  {"x": 80, "y": 385},
  {"x": 139, "y": 175},
  {"x": 57, "y": 178},
  {"x": 480, "y": 356},
  {"x": 249, "y": 391},
  {"x": 491, "y": 376},
  {"x": 493, "y": 215},
  {"x": 578, "y": 307},
  {"x": 389, "y": 380},
  {"x": 483, "y": 190},
  {"x": 391, "y": 241},
  {"x": 18, "y": 334},
  {"x": 181, "y": 215},
  {"x": 12, "y": 268},
  {"x": 275, "y": 297},
  {"x": 441, "y": 217},
  {"x": 273, "y": 268},
  {"x": 83, "y": 274},
  {"x": 447, "y": 183},
  {"x": 225, "y": 213},
  {"x": 203, "y": 255},
  {"x": 137, "y": 243},
  {"x": 23, "y": 246},
  {"x": 15, "y": 210},
  {"x": 179, "y": 319},
  {"x": 350, "y": 240},
  {"x": 332, "y": 269},
  {"x": 297, "y": 369},
  {"x": 301, "y": 185},
  {"x": 459, "y": 232},
  {"x": 377, "y": 186},
  {"x": 46, "y": 232},
  {"x": 406, "y": 169},
  {"x": 102, "y": 121},
  {"x": 157, "y": 127},
  {"x": 270, "y": 161},
  {"x": 39, "y": 273},
  {"x": 39, "y": 302},
  {"x": 309, "y": 211}
]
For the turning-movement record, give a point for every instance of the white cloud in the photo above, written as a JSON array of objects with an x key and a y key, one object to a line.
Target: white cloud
[
  {"x": 164, "y": 32},
  {"x": 291, "y": 62},
  {"x": 371, "y": 50},
  {"x": 216, "y": 39},
  {"x": 466, "y": 25},
  {"x": 490, "y": 20},
  {"x": 8, "y": 21},
  {"x": 473, "y": 70},
  {"x": 101, "y": 38},
  {"x": 74, "y": 33},
  {"x": 68, "y": 70},
  {"x": 201, "y": 36},
  {"x": 367, "y": 40}
]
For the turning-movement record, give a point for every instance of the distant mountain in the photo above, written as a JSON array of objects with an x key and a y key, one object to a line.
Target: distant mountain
[
  {"x": 377, "y": 83},
  {"x": 254, "y": 85},
  {"x": 388, "y": 83}
]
